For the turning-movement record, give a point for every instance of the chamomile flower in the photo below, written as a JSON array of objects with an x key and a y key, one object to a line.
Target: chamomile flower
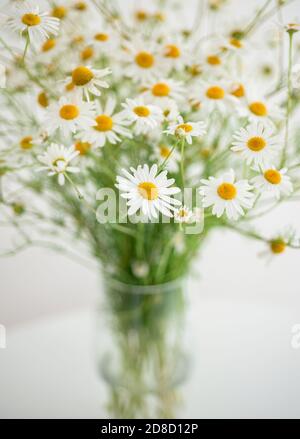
[
  {"x": 215, "y": 96},
  {"x": 187, "y": 130},
  {"x": 213, "y": 62},
  {"x": 257, "y": 144},
  {"x": 89, "y": 80},
  {"x": 176, "y": 53},
  {"x": 145, "y": 117},
  {"x": 103, "y": 41},
  {"x": 69, "y": 114},
  {"x": 57, "y": 159},
  {"x": 108, "y": 127},
  {"x": 260, "y": 109},
  {"x": 142, "y": 61},
  {"x": 169, "y": 108},
  {"x": 167, "y": 155},
  {"x": 183, "y": 215},
  {"x": 224, "y": 194},
  {"x": 49, "y": 49},
  {"x": 232, "y": 44},
  {"x": 273, "y": 182},
  {"x": 148, "y": 191},
  {"x": 27, "y": 17},
  {"x": 159, "y": 90}
]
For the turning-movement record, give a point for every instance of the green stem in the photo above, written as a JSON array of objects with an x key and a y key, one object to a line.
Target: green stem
[
  {"x": 256, "y": 18},
  {"x": 289, "y": 99},
  {"x": 182, "y": 163},
  {"x": 26, "y": 46},
  {"x": 161, "y": 167}
]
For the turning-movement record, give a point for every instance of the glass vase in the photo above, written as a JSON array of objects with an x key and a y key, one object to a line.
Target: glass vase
[{"x": 145, "y": 361}]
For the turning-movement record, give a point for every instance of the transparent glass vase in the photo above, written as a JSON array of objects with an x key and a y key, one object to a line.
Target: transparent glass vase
[{"x": 145, "y": 362}]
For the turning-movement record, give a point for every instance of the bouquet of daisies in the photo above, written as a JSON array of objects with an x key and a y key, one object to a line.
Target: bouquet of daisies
[{"x": 134, "y": 132}]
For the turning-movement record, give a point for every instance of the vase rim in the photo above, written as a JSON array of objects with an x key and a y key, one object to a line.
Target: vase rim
[{"x": 143, "y": 289}]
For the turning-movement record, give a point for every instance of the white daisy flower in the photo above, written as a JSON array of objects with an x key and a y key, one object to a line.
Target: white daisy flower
[
  {"x": 103, "y": 41},
  {"x": 26, "y": 17},
  {"x": 69, "y": 114},
  {"x": 142, "y": 61},
  {"x": 260, "y": 109},
  {"x": 57, "y": 160},
  {"x": 215, "y": 96},
  {"x": 187, "y": 130},
  {"x": 49, "y": 50},
  {"x": 148, "y": 191},
  {"x": 158, "y": 90},
  {"x": 212, "y": 63},
  {"x": 236, "y": 45},
  {"x": 225, "y": 194},
  {"x": 170, "y": 157},
  {"x": 183, "y": 215},
  {"x": 169, "y": 108},
  {"x": 237, "y": 89},
  {"x": 257, "y": 144},
  {"x": 108, "y": 127},
  {"x": 176, "y": 53},
  {"x": 89, "y": 80},
  {"x": 2, "y": 76},
  {"x": 274, "y": 182},
  {"x": 145, "y": 117}
]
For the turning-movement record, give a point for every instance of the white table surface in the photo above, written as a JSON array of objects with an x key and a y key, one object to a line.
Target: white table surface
[{"x": 243, "y": 364}]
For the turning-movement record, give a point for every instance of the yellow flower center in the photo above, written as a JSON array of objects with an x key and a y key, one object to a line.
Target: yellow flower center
[
  {"x": 227, "y": 191},
  {"x": 256, "y": 143},
  {"x": 69, "y": 112},
  {"x": 87, "y": 53},
  {"x": 182, "y": 213},
  {"x": 48, "y": 45},
  {"x": 70, "y": 86},
  {"x": 187, "y": 128},
  {"x": 31, "y": 20},
  {"x": 141, "y": 15},
  {"x": 148, "y": 190},
  {"x": 78, "y": 39},
  {"x": 159, "y": 16},
  {"x": 82, "y": 147},
  {"x": 43, "y": 99},
  {"x": 101, "y": 37},
  {"x": 59, "y": 12},
  {"x": 195, "y": 70},
  {"x": 272, "y": 176},
  {"x": 80, "y": 6},
  {"x": 58, "y": 161},
  {"x": 26, "y": 142},
  {"x": 239, "y": 91},
  {"x": 82, "y": 76},
  {"x": 172, "y": 51},
  {"x": 259, "y": 109},
  {"x": 142, "y": 111},
  {"x": 104, "y": 123},
  {"x": 164, "y": 151},
  {"x": 214, "y": 60},
  {"x": 161, "y": 89},
  {"x": 236, "y": 43},
  {"x": 144, "y": 60},
  {"x": 278, "y": 246},
  {"x": 215, "y": 92}
]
